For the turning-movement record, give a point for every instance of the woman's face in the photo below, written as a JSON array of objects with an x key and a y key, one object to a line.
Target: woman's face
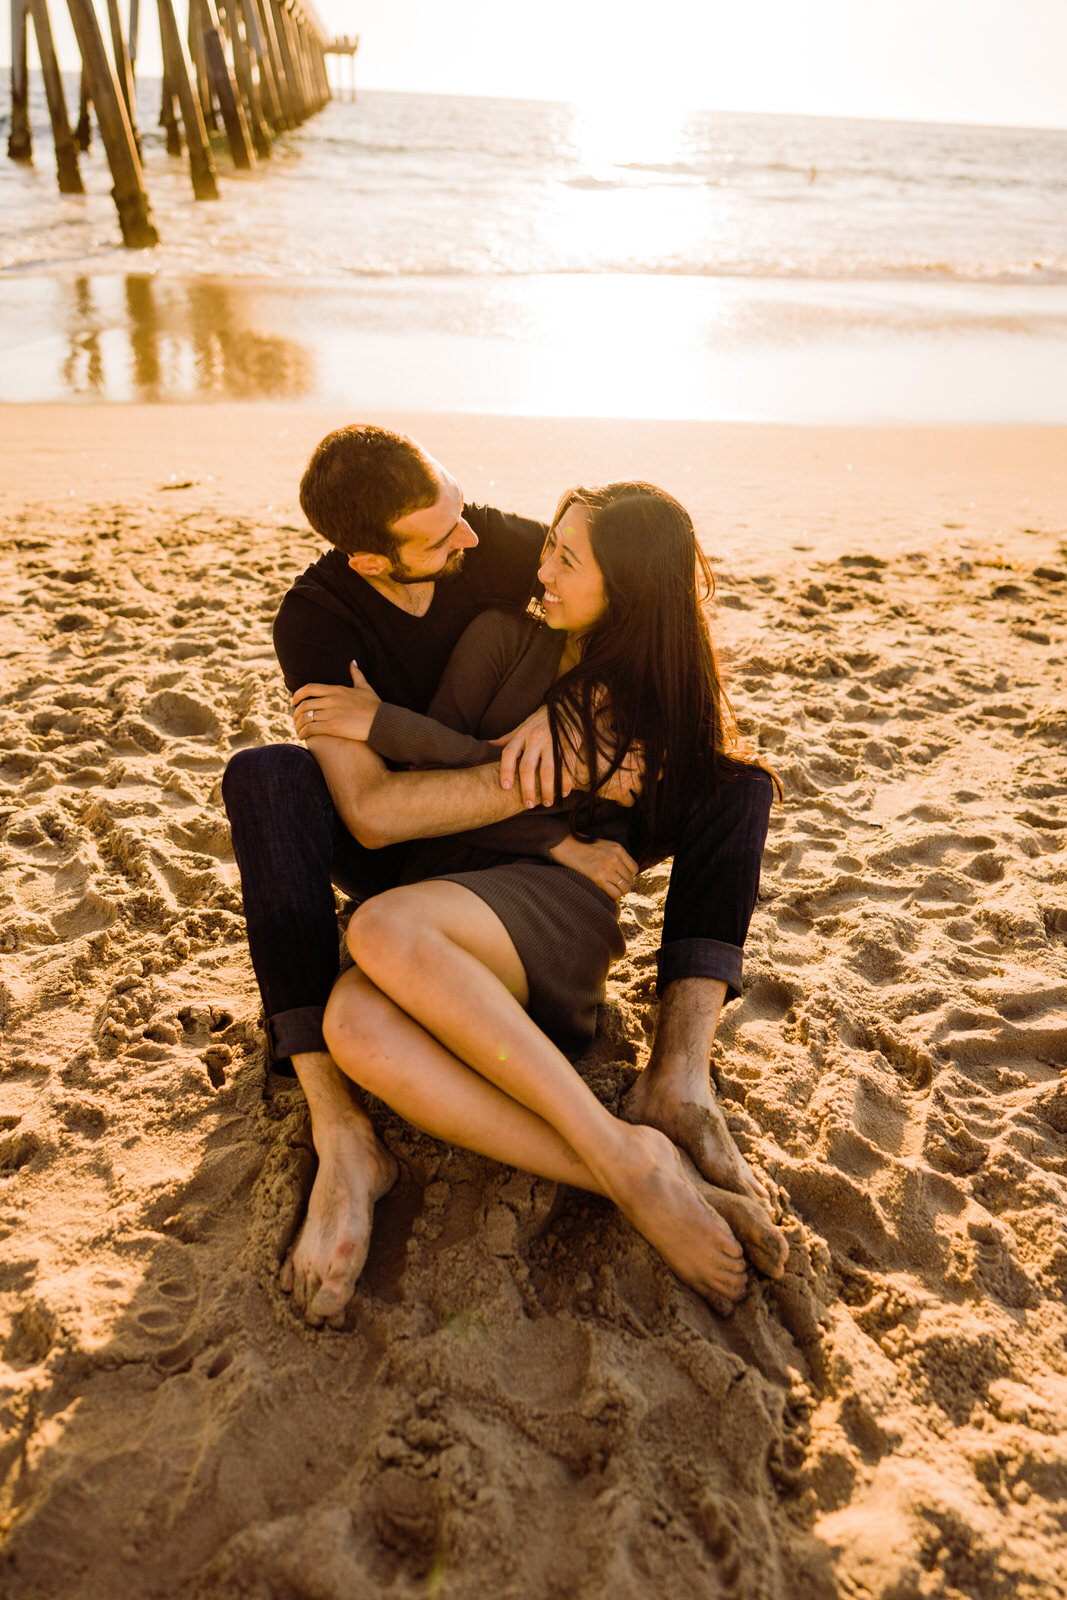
[{"x": 574, "y": 586}]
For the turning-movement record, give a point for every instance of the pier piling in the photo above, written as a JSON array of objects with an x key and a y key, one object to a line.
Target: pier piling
[
  {"x": 286, "y": 110},
  {"x": 67, "y": 174},
  {"x": 198, "y": 57},
  {"x": 225, "y": 91},
  {"x": 260, "y": 65},
  {"x": 168, "y": 117},
  {"x": 230, "y": 17},
  {"x": 257, "y": 50},
  {"x": 123, "y": 70},
  {"x": 83, "y": 133},
  {"x": 19, "y": 138},
  {"x": 131, "y": 201},
  {"x": 179, "y": 79}
]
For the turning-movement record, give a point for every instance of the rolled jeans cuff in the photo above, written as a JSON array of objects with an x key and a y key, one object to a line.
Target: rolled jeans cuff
[
  {"x": 292, "y": 1033},
  {"x": 700, "y": 958}
]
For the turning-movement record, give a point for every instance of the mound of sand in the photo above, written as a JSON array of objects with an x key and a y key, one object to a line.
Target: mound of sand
[{"x": 526, "y": 1403}]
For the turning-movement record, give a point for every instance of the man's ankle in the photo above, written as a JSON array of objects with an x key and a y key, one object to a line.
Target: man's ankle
[
  {"x": 677, "y": 1076},
  {"x": 326, "y": 1089}
]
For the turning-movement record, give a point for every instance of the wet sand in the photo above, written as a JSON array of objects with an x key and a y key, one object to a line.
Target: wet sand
[
  {"x": 878, "y": 351},
  {"x": 526, "y": 1403}
]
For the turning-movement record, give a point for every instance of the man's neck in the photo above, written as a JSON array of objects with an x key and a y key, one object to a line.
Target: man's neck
[{"x": 414, "y": 598}]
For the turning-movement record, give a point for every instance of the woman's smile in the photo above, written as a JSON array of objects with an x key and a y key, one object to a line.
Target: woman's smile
[{"x": 574, "y": 596}]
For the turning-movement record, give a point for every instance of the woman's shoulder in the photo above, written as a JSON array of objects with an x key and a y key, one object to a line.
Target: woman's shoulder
[{"x": 502, "y": 627}]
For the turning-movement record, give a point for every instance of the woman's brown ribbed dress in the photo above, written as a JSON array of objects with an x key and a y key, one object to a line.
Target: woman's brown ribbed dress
[{"x": 565, "y": 928}]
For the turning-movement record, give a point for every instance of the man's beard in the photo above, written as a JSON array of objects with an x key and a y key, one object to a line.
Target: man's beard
[{"x": 401, "y": 574}]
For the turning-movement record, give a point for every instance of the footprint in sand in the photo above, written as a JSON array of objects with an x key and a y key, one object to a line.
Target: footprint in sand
[
  {"x": 947, "y": 1143},
  {"x": 994, "y": 1269},
  {"x": 182, "y": 716},
  {"x": 156, "y": 1322}
]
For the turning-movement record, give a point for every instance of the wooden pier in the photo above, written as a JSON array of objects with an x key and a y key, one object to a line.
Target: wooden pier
[
  {"x": 346, "y": 47},
  {"x": 257, "y": 67}
]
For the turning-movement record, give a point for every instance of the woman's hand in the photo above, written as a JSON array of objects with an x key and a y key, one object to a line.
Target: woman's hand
[
  {"x": 603, "y": 861},
  {"x": 332, "y": 709}
]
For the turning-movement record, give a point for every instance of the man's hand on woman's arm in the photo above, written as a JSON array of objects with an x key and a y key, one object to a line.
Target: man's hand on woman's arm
[{"x": 527, "y": 754}]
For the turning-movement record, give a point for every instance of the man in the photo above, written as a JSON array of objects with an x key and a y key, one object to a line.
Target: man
[{"x": 410, "y": 567}]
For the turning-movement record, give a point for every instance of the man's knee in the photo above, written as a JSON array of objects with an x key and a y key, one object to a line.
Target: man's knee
[
  {"x": 736, "y": 814},
  {"x": 755, "y": 799},
  {"x": 749, "y": 794},
  {"x": 255, "y": 778}
]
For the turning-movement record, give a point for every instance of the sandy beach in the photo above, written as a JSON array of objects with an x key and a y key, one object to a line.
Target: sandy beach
[{"x": 525, "y": 1403}]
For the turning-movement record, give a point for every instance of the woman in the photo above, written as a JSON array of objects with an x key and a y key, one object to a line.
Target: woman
[{"x": 474, "y": 976}]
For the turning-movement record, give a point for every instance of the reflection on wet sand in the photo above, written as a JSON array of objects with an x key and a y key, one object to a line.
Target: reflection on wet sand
[
  {"x": 83, "y": 369},
  {"x": 184, "y": 340}
]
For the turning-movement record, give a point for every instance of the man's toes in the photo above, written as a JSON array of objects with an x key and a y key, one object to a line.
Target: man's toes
[
  {"x": 758, "y": 1188},
  {"x": 739, "y": 1176},
  {"x": 778, "y": 1256},
  {"x": 766, "y": 1246},
  {"x": 305, "y": 1287},
  {"x": 329, "y": 1303},
  {"x": 287, "y": 1275},
  {"x": 767, "y": 1257}
]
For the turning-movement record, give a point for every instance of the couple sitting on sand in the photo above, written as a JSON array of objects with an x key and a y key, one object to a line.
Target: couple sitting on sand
[{"x": 486, "y": 775}]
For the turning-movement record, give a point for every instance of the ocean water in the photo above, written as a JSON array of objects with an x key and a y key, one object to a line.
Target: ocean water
[{"x": 531, "y": 256}]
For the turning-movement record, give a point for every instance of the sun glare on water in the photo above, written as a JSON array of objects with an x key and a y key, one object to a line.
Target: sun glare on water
[
  {"x": 628, "y": 203},
  {"x": 628, "y": 131}
]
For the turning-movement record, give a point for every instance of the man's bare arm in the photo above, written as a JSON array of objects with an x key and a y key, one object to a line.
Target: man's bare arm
[{"x": 380, "y": 807}]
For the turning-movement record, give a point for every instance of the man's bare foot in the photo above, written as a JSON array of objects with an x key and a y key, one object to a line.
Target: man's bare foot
[
  {"x": 330, "y": 1251},
  {"x": 668, "y": 1203},
  {"x": 765, "y": 1245},
  {"x": 693, "y": 1120}
]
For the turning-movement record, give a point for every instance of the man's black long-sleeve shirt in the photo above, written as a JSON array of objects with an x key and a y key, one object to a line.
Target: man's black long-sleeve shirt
[{"x": 332, "y": 616}]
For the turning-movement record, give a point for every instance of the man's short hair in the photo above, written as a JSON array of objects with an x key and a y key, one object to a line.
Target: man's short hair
[{"x": 361, "y": 480}]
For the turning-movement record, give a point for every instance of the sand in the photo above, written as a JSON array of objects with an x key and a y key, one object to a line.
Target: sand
[{"x": 526, "y": 1403}]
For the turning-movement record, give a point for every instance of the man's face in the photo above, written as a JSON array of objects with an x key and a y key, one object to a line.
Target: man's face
[{"x": 433, "y": 541}]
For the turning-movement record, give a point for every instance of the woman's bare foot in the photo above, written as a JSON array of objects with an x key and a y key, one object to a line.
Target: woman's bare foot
[
  {"x": 330, "y": 1251},
  {"x": 692, "y": 1119},
  {"x": 669, "y": 1205}
]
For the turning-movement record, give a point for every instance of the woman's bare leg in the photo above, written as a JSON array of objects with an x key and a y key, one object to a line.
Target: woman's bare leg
[
  {"x": 391, "y": 1055},
  {"x": 446, "y": 960}
]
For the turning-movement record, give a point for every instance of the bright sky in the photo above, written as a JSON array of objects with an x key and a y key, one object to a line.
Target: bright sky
[
  {"x": 939, "y": 60},
  {"x": 1001, "y": 61}
]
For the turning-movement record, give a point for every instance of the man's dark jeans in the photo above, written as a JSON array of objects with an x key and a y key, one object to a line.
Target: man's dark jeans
[{"x": 291, "y": 847}]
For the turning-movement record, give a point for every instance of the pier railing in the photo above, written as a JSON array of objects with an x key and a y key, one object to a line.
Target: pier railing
[{"x": 257, "y": 67}]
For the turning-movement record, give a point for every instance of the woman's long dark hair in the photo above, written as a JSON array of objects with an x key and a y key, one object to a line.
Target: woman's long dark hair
[{"x": 651, "y": 657}]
